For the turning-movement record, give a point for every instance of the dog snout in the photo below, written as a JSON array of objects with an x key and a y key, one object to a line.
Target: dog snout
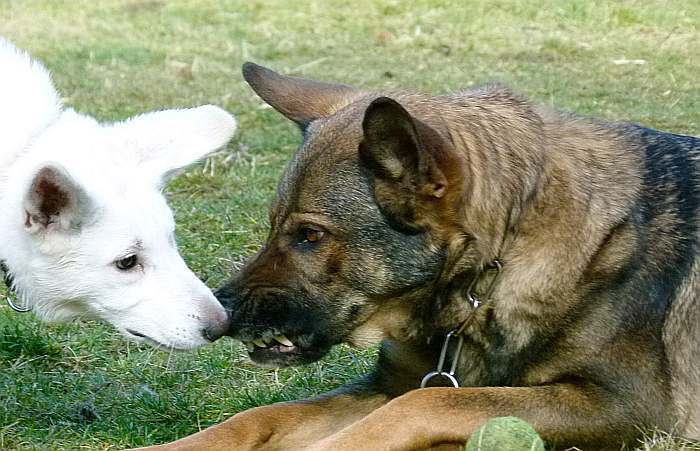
[
  {"x": 218, "y": 327},
  {"x": 226, "y": 295},
  {"x": 230, "y": 297},
  {"x": 214, "y": 332}
]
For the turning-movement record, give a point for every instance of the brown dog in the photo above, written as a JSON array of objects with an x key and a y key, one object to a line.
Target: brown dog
[{"x": 384, "y": 228}]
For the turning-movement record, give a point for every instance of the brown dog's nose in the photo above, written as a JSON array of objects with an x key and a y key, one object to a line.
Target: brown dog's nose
[
  {"x": 229, "y": 296},
  {"x": 225, "y": 296}
]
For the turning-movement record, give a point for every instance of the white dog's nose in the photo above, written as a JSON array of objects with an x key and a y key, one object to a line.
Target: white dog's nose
[{"x": 218, "y": 326}]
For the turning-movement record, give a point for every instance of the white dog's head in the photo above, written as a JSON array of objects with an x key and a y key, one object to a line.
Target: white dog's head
[{"x": 87, "y": 231}]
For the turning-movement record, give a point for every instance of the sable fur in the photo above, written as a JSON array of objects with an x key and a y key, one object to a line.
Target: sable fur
[{"x": 593, "y": 332}]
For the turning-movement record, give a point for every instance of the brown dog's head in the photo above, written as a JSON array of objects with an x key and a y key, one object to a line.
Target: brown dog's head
[{"x": 360, "y": 224}]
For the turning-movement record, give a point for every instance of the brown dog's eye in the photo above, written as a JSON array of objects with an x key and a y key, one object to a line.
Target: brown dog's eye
[
  {"x": 126, "y": 263},
  {"x": 309, "y": 235}
]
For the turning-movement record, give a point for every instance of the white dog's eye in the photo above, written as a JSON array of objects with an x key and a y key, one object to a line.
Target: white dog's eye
[{"x": 126, "y": 263}]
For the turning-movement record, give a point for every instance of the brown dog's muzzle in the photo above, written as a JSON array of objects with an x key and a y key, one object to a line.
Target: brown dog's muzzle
[{"x": 280, "y": 326}]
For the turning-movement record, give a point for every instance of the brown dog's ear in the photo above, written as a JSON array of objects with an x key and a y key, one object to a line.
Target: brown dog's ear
[
  {"x": 299, "y": 99},
  {"x": 399, "y": 152}
]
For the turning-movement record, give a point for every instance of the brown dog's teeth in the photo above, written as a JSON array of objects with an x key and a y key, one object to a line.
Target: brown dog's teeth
[
  {"x": 284, "y": 340},
  {"x": 260, "y": 343}
]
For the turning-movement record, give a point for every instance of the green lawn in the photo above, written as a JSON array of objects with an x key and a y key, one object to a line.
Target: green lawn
[{"x": 79, "y": 385}]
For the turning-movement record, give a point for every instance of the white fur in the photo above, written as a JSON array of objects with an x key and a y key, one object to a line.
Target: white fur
[{"x": 66, "y": 268}]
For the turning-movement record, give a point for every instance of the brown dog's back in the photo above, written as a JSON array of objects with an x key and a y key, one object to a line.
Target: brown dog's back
[{"x": 392, "y": 205}]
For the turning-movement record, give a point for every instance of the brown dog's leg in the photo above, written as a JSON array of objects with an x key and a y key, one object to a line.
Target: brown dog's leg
[
  {"x": 282, "y": 426},
  {"x": 422, "y": 419}
]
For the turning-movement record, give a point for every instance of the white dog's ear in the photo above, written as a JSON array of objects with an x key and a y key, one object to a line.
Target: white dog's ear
[
  {"x": 169, "y": 140},
  {"x": 55, "y": 201}
]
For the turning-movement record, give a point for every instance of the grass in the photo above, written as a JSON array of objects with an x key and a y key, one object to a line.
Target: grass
[{"x": 79, "y": 385}]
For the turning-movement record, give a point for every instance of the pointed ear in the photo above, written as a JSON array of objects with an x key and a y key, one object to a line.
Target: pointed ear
[
  {"x": 399, "y": 152},
  {"x": 168, "y": 141},
  {"x": 298, "y": 99},
  {"x": 56, "y": 202}
]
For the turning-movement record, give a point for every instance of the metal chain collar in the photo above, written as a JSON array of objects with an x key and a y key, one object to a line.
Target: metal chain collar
[
  {"x": 458, "y": 332},
  {"x": 7, "y": 280}
]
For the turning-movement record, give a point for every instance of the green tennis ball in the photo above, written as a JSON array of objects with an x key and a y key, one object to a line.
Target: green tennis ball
[{"x": 505, "y": 434}]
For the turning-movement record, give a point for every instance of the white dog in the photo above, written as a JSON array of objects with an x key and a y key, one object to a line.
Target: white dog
[{"x": 84, "y": 228}]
